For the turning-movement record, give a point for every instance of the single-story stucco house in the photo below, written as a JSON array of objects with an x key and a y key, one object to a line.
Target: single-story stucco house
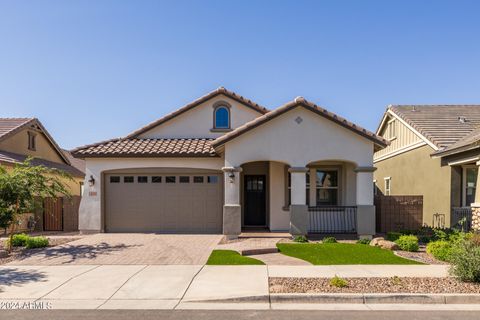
[
  {"x": 434, "y": 153},
  {"x": 223, "y": 164}
]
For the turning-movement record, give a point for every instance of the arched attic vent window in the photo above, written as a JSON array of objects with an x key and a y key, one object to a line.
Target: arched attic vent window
[{"x": 221, "y": 116}]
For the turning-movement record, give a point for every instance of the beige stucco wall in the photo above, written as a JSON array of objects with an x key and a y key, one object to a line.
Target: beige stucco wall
[
  {"x": 416, "y": 173},
  {"x": 18, "y": 143},
  {"x": 279, "y": 216},
  {"x": 198, "y": 121}
]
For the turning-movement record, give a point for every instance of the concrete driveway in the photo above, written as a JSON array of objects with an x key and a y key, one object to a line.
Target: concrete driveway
[{"x": 126, "y": 249}]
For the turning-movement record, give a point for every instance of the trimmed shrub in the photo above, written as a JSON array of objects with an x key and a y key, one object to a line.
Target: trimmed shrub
[
  {"x": 465, "y": 260},
  {"x": 300, "y": 239},
  {"x": 19, "y": 240},
  {"x": 393, "y": 236},
  {"x": 329, "y": 240},
  {"x": 36, "y": 242},
  {"x": 363, "y": 241},
  {"x": 408, "y": 243},
  {"x": 441, "y": 249},
  {"x": 338, "y": 282}
]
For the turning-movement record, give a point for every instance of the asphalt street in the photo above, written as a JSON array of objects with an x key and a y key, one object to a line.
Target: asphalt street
[{"x": 237, "y": 315}]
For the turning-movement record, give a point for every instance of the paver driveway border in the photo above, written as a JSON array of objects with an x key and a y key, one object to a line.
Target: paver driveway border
[{"x": 127, "y": 249}]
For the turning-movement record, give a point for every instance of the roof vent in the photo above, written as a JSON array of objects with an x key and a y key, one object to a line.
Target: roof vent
[{"x": 462, "y": 119}]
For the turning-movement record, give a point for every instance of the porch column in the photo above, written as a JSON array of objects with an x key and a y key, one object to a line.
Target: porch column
[
  {"x": 476, "y": 205},
  {"x": 365, "y": 208},
  {"x": 232, "y": 210},
  {"x": 298, "y": 207}
]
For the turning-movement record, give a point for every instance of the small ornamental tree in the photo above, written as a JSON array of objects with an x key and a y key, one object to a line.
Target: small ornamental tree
[{"x": 20, "y": 187}]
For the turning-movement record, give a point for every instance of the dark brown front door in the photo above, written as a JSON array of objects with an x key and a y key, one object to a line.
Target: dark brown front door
[
  {"x": 255, "y": 200},
  {"x": 53, "y": 214}
]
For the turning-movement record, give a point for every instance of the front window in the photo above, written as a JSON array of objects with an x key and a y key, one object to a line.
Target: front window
[
  {"x": 222, "y": 118},
  {"x": 388, "y": 186},
  {"x": 327, "y": 187},
  {"x": 470, "y": 185}
]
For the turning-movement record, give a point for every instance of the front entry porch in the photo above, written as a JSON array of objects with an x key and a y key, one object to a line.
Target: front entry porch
[{"x": 320, "y": 198}]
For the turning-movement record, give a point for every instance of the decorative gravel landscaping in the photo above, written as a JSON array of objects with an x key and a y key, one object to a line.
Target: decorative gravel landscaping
[
  {"x": 230, "y": 257},
  {"x": 341, "y": 253},
  {"x": 373, "y": 285},
  {"x": 420, "y": 256}
]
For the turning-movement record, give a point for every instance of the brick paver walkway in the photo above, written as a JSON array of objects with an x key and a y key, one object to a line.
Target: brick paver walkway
[{"x": 127, "y": 249}]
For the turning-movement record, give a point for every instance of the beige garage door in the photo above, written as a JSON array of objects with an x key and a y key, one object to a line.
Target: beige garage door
[{"x": 164, "y": 203}]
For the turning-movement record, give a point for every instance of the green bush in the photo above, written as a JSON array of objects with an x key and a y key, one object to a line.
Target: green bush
[
  {"x": 300, "y": 239},
  {"x": 465, "y": 260},
  {"x": 329, "y": 240},
  {"x": 19, "y": 240},
  {"x": 440, "y": 249},
  {"x": 36, "y": 242},
  {"x": 363, "y": 241},
  {"x": 393, "y": 236},
  {"x": 408, "y": 243},
  {"x": 338, "y": 282}
]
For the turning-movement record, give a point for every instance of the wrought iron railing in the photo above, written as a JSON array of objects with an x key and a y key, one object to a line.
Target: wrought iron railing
[
  {"x": 332, "y": 219},
  {"x": 461, "y": 218}
]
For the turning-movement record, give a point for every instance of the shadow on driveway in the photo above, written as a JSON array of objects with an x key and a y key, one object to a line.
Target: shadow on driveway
[{"x": 69, "y": 253}]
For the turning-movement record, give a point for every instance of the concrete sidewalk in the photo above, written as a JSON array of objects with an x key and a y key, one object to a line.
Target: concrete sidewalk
[{"x": 169, "y": 286}]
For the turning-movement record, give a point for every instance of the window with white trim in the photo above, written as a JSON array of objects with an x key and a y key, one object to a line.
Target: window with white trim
[
  {"x": 391, "y": 129},
  {"x": 388, "y": 186}
]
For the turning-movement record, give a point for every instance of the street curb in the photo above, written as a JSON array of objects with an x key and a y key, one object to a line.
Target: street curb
[
  {"x": 372, "y": 298},
  {"x": 353, "y": 298}
]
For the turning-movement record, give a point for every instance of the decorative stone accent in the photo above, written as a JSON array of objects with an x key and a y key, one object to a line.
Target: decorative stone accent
[
  {"x": 384, "y": 244},
  {"x": 476, "y": 218}
]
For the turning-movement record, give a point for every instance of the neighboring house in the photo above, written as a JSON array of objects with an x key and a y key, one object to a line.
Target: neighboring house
[
  {"x": 223, "y": 164},
  {"x": 21, "y": 138},
  {"x": 433, "y": 152}
]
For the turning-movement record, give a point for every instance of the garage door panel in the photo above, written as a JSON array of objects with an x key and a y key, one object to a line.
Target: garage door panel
[{"x": 164, "y": 207}]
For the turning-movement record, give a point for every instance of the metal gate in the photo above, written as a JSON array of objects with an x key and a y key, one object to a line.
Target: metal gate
[{"x": 53, "y": 214}]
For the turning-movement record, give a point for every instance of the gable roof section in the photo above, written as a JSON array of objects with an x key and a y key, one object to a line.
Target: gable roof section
[
  {"x": 13, "y": 158},
  {"x": 470, "y": 142},
  {"x": 441, "y": 126},
  {"x": 11, "y": 126},
  {"x": 133, "y": 147},
  {"x": 301, "y": 102},
  {"x": 221, "y": 90}
]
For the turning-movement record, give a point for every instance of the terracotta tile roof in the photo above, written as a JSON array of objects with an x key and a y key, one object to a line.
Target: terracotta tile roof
[
  {"x": 232, "y": 95},
  {"x": 8, "y": 126},
  {"x": 442, "y": 125},
  {"x": 300, "y": 101},
  {"x": 12, "y": 158},
  {"x": 132, "y": 147}
]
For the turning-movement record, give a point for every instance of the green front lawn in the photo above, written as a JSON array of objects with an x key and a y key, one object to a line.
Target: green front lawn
[
  {"x": 230, "y": 257},
  {"x": 341, "y": 253}
]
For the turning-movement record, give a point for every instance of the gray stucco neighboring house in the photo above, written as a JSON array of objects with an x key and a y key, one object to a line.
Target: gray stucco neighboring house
[{"x": 223, "y": 164}]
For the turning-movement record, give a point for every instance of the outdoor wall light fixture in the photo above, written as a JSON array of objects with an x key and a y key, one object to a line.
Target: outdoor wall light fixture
[
  {"x": 231, "y": 175},
  {"x": 91, "y": 181}
]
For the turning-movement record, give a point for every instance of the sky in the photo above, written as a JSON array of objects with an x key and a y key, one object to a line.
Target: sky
[{"x": 95, "y": 70}]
